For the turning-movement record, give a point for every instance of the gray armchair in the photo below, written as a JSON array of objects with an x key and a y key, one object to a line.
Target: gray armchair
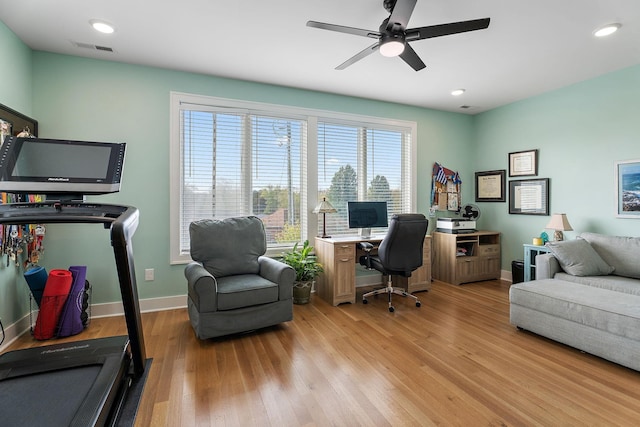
[{"x": 232, "y": 286}]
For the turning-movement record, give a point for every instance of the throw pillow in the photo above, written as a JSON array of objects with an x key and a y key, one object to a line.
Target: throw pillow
[{"x": 578, "y": 258}]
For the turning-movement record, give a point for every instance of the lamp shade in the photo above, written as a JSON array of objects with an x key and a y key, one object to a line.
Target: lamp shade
[
  {"x": 324, "y": 207},
  {"x": 560, "y": 222}
]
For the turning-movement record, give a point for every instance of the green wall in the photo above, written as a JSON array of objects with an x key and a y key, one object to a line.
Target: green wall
[
  {"x": 81, "y": 98},
  {"x": 16, "y": 93},
  {"x": 580, "y": 132}
]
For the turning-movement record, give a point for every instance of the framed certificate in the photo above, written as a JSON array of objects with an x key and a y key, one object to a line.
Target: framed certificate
[
  {"x": 490, "y": 186},
  {"x": 523, "y": 163},
  {"x": 529, "y": 196}
]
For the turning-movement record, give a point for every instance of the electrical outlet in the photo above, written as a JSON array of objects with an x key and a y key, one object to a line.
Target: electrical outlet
[{"x": 149, "y": 274}]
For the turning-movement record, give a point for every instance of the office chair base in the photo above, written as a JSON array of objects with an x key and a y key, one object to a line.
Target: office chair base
[{"x": 390, "y": 290}]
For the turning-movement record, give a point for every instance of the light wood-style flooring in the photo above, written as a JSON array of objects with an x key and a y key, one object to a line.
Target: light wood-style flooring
[{"x": 454, "y": 361}]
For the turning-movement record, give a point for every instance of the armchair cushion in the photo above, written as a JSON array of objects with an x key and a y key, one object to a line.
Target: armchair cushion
[
  {"x": 245, "y": 290},
  {"x": 228, "y": 246}
]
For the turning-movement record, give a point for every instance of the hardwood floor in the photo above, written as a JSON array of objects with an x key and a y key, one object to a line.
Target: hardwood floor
[{"x": 454, "y": 361}]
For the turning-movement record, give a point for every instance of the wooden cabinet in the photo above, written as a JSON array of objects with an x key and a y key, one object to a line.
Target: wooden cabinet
[
  {"x": 469, "y": 257},
  {"x": 339, "y": 257},
  {"x": 337, "y": 284}
]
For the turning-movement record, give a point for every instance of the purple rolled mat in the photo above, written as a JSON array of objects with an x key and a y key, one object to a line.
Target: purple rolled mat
[{"x": 70, "y": 322}]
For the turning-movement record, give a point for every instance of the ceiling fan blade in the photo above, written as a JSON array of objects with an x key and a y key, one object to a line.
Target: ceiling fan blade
[
  {"x": 400, "y": 14},
  {"x": 357, "y": 57},
  {"x": 343, "y": 29},
  {"x": 446, "y": 29},
  {"x": 411, "y": 57}
]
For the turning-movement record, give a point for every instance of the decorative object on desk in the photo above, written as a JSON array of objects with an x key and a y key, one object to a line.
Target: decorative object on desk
[
  {"x": 529, "y": 196},
  {"x": 490, "y": 186},
  {"x": 627, "y": 176},
  {"x": 523, "y": 163},
  {"x": 324, "y": 208},
  {"x": 307, "y": 268},
  {"x": 559, "y": 223},
  {"x": 538, "y": 241},
  {"x": 545, "y": 237}
]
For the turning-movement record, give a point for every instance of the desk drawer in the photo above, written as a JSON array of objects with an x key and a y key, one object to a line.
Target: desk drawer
[
  {"x": 486, "y": 250},
  {"x": 345, "y": 251}
]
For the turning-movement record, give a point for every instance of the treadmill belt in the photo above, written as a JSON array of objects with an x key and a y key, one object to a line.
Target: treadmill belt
[{"x": 49, "y": 399}]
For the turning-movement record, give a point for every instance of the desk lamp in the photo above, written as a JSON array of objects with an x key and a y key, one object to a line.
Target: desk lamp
[
  {"x": 324, "y": 208},
  {"x": 559, "y": 223}
]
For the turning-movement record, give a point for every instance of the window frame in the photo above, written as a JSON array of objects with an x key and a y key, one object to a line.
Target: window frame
[{"x": 309, "y": 157}]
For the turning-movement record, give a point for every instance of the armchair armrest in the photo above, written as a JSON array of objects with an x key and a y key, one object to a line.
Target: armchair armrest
[
  {"x": 280, "y": 273},
  {"x": 202, "y": 287},
  {"x": 546, "y": 266}
]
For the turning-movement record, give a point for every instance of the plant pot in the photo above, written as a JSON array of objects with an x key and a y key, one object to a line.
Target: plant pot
[{"x": 302, "y": 292}]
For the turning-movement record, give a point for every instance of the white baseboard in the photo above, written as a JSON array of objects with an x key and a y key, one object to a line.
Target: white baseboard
[{"x": 22, "y": 326}]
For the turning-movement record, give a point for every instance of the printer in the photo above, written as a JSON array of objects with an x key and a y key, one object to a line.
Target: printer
[{"x": 455, "y": 225}]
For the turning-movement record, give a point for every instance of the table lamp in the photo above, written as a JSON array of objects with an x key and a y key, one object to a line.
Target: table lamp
[
  {"x": 324, "y": 208},
  {"x": 559, "y": 223}
]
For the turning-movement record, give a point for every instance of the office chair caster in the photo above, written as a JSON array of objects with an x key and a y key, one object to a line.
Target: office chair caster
[
  {"x": 418, "y": 304},
  {"x": 391, "y": 309},
  {"x": 364, "y": 301}
]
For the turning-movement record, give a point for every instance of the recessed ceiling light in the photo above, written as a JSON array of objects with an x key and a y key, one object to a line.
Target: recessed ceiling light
[
  {"x": 457, "y": 92},
  {"x": 607, "y": 30},
  {"x": 102, "y": 26}
]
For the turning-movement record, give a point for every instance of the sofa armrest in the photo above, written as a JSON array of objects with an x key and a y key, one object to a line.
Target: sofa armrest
[
  {"x": 546, "y": 266},
  {"x": 280, "y": 273},
  {"x": 202, "y": 287}
]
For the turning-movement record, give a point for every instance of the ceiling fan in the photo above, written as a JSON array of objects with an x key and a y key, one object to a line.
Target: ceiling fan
[{"x": 393, "y": 35}]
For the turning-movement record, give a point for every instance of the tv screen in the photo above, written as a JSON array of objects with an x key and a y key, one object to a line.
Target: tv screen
[
  {"x": 55, "y": 166},
  {"x": 367, "y": 214}
]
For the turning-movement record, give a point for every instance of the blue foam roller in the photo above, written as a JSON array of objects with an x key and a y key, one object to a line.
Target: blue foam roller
[{"x": 36, "y": 278}]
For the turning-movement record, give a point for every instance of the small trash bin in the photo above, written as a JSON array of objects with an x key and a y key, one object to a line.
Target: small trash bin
[{"x": 517, "y": 271}]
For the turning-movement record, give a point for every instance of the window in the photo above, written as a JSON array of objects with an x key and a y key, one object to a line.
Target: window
[
  {"x": 362, "y": 163},
  {"x": 233, "y": 158}
]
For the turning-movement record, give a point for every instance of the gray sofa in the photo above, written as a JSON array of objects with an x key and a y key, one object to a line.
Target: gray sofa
[
  {"x": 231, "y": 286},
  {"x": 586, "y": 295}
]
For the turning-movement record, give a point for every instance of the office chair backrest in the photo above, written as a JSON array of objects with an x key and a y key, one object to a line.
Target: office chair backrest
[{"x": 401, "y": 249}]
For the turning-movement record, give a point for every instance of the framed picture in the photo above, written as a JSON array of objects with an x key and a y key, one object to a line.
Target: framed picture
[
  {"x": 490, "y": 186},
  {"x": 14, "y": 123},
  {"x": 523, "y": 163},
  {"x": 627, "y": 177},
  {"x": 529, "y": 196}
]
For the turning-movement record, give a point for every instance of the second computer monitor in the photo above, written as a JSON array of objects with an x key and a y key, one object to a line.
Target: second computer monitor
[{"x": 367, "y": 215}]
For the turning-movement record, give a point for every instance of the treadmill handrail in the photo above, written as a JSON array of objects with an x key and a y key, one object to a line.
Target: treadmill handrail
[{"x": 123, "y": 222}]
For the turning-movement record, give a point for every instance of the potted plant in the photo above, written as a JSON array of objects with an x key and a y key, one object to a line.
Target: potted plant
[{"x": 307, "y": 268}]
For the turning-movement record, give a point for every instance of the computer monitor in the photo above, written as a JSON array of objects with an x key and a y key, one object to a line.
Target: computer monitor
[
  {"x": 60, "y": 167},
  {"x": 367, "y": 215}
]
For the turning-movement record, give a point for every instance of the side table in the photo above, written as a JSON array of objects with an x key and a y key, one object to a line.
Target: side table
[{"x": 530, "y": 253}]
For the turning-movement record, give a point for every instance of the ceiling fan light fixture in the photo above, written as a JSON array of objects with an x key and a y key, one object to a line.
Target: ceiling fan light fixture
[
  {"x": 607, "y": 30},
  {"x": 391, "y": 45}
]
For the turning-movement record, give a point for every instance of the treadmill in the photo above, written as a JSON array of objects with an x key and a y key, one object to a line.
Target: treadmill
[{"x": 81, "y": 383}]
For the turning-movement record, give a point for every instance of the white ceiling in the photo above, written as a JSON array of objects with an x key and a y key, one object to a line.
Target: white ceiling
[{"x": 530, "y": 47}]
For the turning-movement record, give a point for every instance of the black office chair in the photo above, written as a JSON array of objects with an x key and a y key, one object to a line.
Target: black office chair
[{"x": 399, "y": 253}]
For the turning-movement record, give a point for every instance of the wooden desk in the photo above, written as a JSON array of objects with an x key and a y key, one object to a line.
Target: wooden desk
[{"x": 339, "y": 255}]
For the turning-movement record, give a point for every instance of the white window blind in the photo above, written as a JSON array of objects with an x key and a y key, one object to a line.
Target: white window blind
[
  {"x": 362, "y": 162},
  {"x": 234, "y": 158},
  {"x": 240, "y": 163}
]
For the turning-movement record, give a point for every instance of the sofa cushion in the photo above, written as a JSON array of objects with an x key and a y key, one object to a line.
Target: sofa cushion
[
  {"x": 228, "y": 246},
  {"x": 620, "y": 252},
  {"x": 578, "y": 258},
  {"x": 245, "y": 290},
  {"x": 600, "y": 309},
  {"x": 625, "y": 285}
]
